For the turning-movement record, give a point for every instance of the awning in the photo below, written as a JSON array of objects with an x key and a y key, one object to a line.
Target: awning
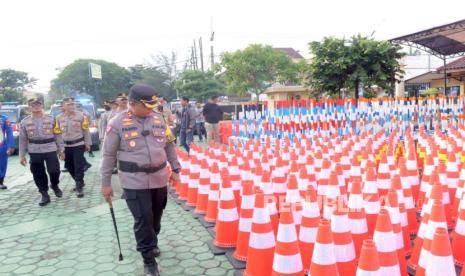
[{"x": 442, "y": 41}]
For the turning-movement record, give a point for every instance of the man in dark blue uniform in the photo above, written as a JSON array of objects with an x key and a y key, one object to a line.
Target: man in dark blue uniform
[{"x": 7, "y": 146}]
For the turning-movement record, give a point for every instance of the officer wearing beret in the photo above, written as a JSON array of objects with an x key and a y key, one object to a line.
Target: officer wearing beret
[
  {"x": 38, "y": 138},
  {"x": 141, "y": 143},
  {"x": 74, "y": 127}
]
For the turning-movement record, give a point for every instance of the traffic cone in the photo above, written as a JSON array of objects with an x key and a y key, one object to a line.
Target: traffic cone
[
  {"x": 193, "y": 185},
  {"x": 181, "y": 188},
  {"x": 271, "y": 202},
  {"x": 386, "y": 243},
  {"x": 458, "y": 236},
  {"x": 323, "y": 180},
  {"x": 458, "y": 194},
  {"x": 235, "y": 177},
  {"x": 371, "y": 202},
  {"x": 408, "y": 200},
  {"x": 425, "y": 181},
  {"x": 383, "y": 178},
  {"x": 308, "y": 227},
  {"x": 368, "y": 264},
  {"x": 262, "y": 240},
  {"x": 228, "y": 219},
  {"x": 245, "y": 221},
  {"x": 437, "y": 219},
  {"x": 203, "y": 188},
  {"x": 453, "y": 174},
  {"x": 392, "y": 206},
  {"x": 323, "y": 258},
  {"x": 287, "y": 259},
  {"x": 357, "y": 217},
  {"x": 213, "y": 194},
  {"x": 332, "y": 197},
  {"x": 345, "y": 249},
  {"x": 293, "y": 200},
  {"x": 440, "y": 260}
]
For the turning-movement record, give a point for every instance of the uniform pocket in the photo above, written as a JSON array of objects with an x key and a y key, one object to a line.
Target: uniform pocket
[{"x": 132, "y": 202}]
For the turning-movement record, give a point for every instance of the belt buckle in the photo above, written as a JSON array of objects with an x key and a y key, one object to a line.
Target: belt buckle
[{"x": 145, "y": 168}]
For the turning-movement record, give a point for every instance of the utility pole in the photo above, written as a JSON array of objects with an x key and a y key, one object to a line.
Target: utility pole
[
  {"x": 195, "y": 56},
  {"x": 192, "y": 59},
  {"x": 201, "y": 53},
  {"x": 212, "y": 37}
]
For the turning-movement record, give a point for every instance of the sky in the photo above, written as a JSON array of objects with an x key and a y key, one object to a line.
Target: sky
[{"x": 42, "y": 36}]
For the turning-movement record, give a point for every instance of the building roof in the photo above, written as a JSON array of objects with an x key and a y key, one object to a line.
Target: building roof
[
  {"x": 442, "y": 41},
  {"x": 424, "y": 78},
  {"x": 290, "y": 52},
  {"x": 454, "y": 65}
]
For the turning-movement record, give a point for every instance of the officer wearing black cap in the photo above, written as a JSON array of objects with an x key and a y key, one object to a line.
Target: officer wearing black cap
[
  {"x": 141, "y": 143},
  {"x": 122, "y": 100},
  {"x": 38, "y": 138}
]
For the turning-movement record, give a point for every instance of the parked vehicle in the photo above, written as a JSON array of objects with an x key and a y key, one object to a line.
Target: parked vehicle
[{"x": 15, "y": 113}]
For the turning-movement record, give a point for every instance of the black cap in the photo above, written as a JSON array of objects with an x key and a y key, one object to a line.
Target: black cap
[
  {"x": 34, "y": 100},
  {"x": 145, "y": 94},
  {"x": 122, "y": 96}
]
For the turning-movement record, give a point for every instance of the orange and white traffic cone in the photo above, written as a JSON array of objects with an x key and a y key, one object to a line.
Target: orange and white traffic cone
[
  {"x": 458, "y": 195},
  {"x": 458, "y": 237},
  {"x": 368, "y": 264},
  {"x": 412, "y": 172},
  {"x": 343, "y": 244},
  {"x": 357, "y": 217},
  {"x": 392, "y": 206},
  {"x": 193, "y": 185},
  {"x": 293, "y": 200},
  {"x": 308, "y": 227},
  {"x": 203, "y": 188},
  {"x": 245, "y": 221},
  {"x": 287, "y": 259},
  {"x": 228, "y": 218},
  {"x": 333, "y": 196},
  {"x": 386, "y": 243},
  {"x": 440, "y": 260},
  {"x": 371, "y": 202},
  {"x": 323, "y": 258},
  {"x": 262, "y": 240},
  {"x": 405, "y": 180},
  {"x": 437, "y": 219},
  {"x": 453, "y": 174},
  {"x": 383, "y": 178}
]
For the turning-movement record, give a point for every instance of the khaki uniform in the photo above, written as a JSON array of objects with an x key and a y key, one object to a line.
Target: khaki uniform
[
  {"x": 74, "y": 129},
  {"x": 142, "y": 147},
  {"x": 37, "y": 135},
  {"x": 41, "y": 138}
]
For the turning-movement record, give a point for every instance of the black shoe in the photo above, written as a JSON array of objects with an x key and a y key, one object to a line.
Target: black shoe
[
  {"x": 64, "y": 170},
  {"x": 3, "y": 187},
  {"x": 45, "y": 199},
  {"x": 57, "y": 191},
  {"x": 87, "y": 166},
  {"x": 79, "y": 192},
  {"x": 156, "y": 251},
  {"x": 91, "y": 154},
  {"x": 151, "y": 270}
]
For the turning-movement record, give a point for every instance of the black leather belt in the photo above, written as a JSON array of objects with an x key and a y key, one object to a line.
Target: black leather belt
[
  {"x": 131, "y": 167},
  {"x": 45, "y": 141},
  {"x": 72, "y": 142}
]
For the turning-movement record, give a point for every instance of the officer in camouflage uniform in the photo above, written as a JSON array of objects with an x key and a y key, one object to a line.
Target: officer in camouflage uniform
[
  {"x": 141, "y": 143},
  {"x": 38, "y": 138},
  {"x": 74, "y": 127}
]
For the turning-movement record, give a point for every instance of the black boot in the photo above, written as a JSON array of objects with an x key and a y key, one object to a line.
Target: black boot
[
  {"x": 79, "y": 189},
  {"x": 45, "y": 199},
  {"x": 156, "y": 251},
  {"x": 151, "y": 269},
  {"x": 2, "y": 186},
  {"x": 57, "y": 191},
  {"x": 91, "y": 154},
  {"x": 87, "y": 166}
]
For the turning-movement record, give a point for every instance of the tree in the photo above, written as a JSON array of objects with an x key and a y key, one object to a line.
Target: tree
[
  {"x": 74, "y": 79},
  {"x": 199, "y": 85},
  {"x": 13, "y": 83},
  {"x": 349, "y": 64},
  {"x": 155, "y": 77},
  {"x": 256, "y": 68}
]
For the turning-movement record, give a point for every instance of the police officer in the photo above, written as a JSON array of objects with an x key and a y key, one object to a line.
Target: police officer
[
  {"x": 141, "y": 143},
  {"x": 103, "y": 122},
  {"x": 7, "y": 146},
  {"x": 74, "y": 127},
  {"x": 122, "y": 100},
  {"x": 38, "y": 137}
]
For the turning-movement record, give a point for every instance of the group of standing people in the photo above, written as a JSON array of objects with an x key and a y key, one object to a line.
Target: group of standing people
[{"x": 197, "y": 118}]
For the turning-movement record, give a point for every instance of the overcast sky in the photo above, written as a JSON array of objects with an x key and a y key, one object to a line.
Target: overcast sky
[{"x": 40, "y": 36}]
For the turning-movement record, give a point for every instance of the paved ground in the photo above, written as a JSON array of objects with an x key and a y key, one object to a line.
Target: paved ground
[{"x": 74, "y": 236}]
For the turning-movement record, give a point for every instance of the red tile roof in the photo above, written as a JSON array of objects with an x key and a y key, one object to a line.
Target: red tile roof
[
  {"x": 290, "y": 52},
  {"x": 456, "y": 64}
]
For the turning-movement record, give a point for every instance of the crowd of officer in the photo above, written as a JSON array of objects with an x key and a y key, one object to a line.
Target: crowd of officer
[{"x": 138, "y": 145}]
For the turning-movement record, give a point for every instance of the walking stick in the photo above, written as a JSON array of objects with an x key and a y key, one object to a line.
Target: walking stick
[{"x": 110, "y": 203}]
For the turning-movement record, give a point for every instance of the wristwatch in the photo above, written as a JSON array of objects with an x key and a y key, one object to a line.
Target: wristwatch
[{"x": 176, "y": 170}]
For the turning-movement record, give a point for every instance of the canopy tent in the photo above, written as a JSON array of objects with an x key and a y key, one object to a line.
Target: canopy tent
[{"x": 446, "y": 41}]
